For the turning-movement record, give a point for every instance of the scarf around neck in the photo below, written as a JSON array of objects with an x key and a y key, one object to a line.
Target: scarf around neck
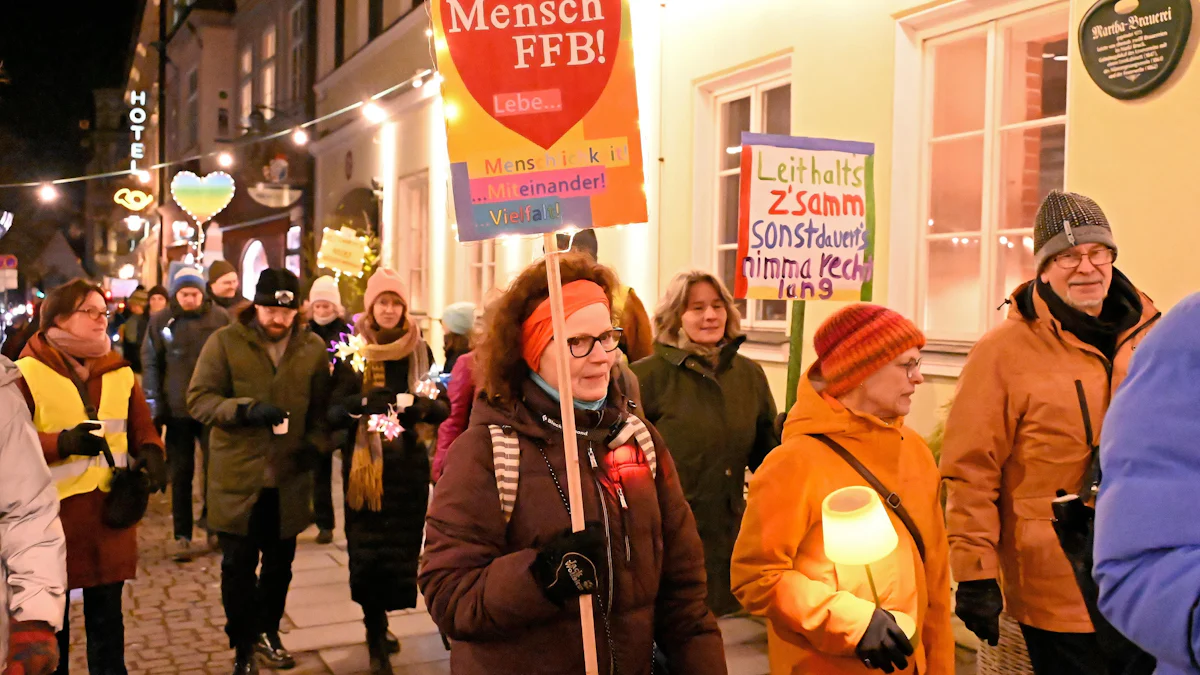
[
  {"x": 78, "y": 350},
  {"x": 365, "y": 489},
  {"x": 1121, "y": 311}
]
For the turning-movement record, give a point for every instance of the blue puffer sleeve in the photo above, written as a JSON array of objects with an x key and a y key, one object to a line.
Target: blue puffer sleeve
[{"x": 1147, "y": 553}]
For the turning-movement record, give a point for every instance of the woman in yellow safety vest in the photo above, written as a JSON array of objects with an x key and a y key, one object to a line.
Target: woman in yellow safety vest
[{"x": 71, "y": 376}]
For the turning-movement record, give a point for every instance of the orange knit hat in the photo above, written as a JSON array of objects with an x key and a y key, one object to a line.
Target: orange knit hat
[{"x": 859, "y": 340}]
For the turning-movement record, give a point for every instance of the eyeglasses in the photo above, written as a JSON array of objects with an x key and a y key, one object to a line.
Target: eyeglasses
[
  {"x": 912, "y": 368},
  {"x": 95, "y": 314},
  {"x": 1098, "y": 257},
  {"x": 582, "y": 345}
]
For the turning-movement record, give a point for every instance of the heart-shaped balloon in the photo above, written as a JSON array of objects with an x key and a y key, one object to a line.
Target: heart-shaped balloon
[
  {"x": 202, "y": 198},
  {"x": 564, "y": 64}
]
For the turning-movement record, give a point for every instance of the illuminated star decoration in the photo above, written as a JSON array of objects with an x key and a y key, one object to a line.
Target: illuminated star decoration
[
  {"x": 387, "y": 424},
  {"x": 349, "y": 349}
]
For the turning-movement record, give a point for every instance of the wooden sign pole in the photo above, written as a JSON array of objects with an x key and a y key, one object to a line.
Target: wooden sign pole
[{"x": 562, "y": 357}]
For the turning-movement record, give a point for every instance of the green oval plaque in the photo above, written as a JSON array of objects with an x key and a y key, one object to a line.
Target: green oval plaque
[{"x": 1130, "y": 47}]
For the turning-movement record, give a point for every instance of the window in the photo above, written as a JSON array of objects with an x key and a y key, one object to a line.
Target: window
[
  {"x": 413, "y": 215},
  {"x": 374, "y": 19},
  {"x": 254, "y": 261},
  {"x": 296, "y": 61},
  {"x": 992, "y": 146},
  {"x": 339, "y": 32},
  {"x": 267, "y": 74},
  {"x": 192, "y": 116},
  {"x": 763, "y": 106},
  {"x": 481, "y": 265},
  {"x": 246, "y": 96}
]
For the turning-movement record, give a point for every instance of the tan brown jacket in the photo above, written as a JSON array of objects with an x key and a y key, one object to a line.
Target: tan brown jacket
[{"x": 1015, "y": 435}]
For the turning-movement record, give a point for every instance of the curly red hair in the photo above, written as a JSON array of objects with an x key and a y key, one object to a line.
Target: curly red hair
[{"x": 499, "y": 367}]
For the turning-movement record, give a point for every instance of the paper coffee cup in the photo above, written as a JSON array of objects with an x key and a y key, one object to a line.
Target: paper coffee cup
[
  {"x": 906, "y": 623},
  {"x": 403, "y": 401},
  {"x": 108, "y": 427},
  {"x": 281, "y": 428}
]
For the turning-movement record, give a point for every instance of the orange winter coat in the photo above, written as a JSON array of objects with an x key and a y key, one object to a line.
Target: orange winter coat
[
  {"x": 817, "y": 611},
  {"x": 1015, "y": 436}
]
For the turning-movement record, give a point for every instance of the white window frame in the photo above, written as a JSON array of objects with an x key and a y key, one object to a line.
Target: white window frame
[
  {"x": 246, "y": 88},
  {"x": 192, "y": 106},
  {"x": 753, "y": 81},
  {"x": 412, "y": 203},
  {"x": 267, "y": 71},
  {"x": 481, "y": 265},
  {"x": 296, "y": 62},
  {"x": 912, "y": 131}
]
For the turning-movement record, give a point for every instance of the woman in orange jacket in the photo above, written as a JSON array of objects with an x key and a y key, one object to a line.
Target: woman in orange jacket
[{"x": 822, "y": 617}]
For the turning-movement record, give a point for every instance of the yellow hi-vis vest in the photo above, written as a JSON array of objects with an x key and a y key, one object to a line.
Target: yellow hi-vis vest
[{"x": 58, "y": 406}]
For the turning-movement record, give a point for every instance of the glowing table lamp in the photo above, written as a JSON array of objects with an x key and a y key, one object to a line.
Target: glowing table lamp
[{"x": 858, "y": 531}]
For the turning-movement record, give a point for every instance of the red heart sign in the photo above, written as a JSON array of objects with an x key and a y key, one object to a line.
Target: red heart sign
[{"x": 536, "y": 67}]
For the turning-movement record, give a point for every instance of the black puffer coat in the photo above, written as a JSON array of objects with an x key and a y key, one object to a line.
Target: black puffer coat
[{"x": 385, "y": 545}]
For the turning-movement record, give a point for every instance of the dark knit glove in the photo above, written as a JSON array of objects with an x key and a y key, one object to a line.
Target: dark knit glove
[
  {"x": 979, "y": 603},
  {"x": 884, "y": 646},
  {"x": 80, "y": 441},
  {"x": 565, "y": 566},
  {"x": 151, "y": 458},
  {"x": 32, "y": 649},
  {"x": 259, "y": 414},
  {"x": 374, "y": 402}
]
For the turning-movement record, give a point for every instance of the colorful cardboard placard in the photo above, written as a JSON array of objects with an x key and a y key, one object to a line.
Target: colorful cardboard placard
[
  {"x": 806, "y": 219},
  {"x": 541, "y": 115},
  {"x": 342, "y": 251}
]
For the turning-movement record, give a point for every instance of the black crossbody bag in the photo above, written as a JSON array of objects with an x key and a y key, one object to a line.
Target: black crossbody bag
[{"x": 890, "y": 498}]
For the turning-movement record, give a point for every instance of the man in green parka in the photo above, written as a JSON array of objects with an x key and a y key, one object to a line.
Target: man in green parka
[
  {"x": 262, "y": 384},
  {"x": 714, "y": 409}
]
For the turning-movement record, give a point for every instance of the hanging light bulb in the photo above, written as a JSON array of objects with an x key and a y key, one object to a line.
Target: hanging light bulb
[
  {"x": 47, "y": 193},
  {"x": 374, "y": 113},
  {"x": 225, "y": 160},
  {"x": 300, "y": 136},
  {"x": 143, "y": 177}
]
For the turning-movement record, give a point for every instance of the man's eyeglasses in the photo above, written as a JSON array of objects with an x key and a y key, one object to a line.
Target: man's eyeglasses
[
  {"x": 582, "y": 345},
  {"x": 1098, "y": 257},
  {"x": 95, "y": 314},
  {"x": 912, "y": 368}
]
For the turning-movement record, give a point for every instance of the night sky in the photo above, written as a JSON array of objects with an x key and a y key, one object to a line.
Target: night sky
[{"x": 55, "y": 54}]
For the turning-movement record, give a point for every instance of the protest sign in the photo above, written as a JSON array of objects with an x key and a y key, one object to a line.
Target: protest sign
[
  {"x": 806, "y": 219},
  {"x": 541, "y": 115}
]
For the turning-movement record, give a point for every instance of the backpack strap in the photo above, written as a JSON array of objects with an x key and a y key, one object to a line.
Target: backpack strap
[
  {"x": 506, "y": 456},
  {"x": 636, "y": 430}
]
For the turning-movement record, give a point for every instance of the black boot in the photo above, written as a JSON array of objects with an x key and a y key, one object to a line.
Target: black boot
[
  {"x": 377, "y": 641},
  {"x": 272, "y": 653},
  {"x": 244, "y": 662}
]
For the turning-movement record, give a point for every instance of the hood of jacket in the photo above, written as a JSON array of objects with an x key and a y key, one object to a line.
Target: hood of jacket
[
  {"x": 538, "y": 416},
  {"x": 817, "y": 413},
  {"x": 677, "y": 354},
  {"x": 8, "y": 372}
]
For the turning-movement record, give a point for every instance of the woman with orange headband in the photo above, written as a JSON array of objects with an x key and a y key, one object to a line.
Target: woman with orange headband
[{"x": 503, "y": 572}]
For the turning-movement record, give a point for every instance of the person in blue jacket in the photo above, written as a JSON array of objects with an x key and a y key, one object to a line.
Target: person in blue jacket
[{"x": 1147, "y": 551}]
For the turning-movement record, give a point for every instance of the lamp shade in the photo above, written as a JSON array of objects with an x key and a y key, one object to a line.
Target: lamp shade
[{"x": 856, "y": 526}]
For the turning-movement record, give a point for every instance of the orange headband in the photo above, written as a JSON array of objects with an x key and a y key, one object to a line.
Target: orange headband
[{"x": 538, "y": 329}]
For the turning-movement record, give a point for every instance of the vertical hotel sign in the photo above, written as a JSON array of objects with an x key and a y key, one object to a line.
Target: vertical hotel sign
[
  {"x": 541, "y": 114},
  {"x": 806, "y": 219},
  {"x": 137, "y": 125}
]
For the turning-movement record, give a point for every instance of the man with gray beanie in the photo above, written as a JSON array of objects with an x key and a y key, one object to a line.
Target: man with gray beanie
[
  {"x": 1024, "y": 428},
  {"x": 169, "y": 353}
]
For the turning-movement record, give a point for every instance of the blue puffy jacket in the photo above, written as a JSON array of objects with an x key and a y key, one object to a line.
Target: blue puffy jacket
[{"x": 1147, "y": 553}]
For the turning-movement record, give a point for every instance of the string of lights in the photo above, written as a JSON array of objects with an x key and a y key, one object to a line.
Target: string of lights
[{"x": 300, "y": 136}]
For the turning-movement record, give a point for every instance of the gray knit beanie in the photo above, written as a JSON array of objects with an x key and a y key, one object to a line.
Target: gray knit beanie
[{"x": 1065, "y": 220}]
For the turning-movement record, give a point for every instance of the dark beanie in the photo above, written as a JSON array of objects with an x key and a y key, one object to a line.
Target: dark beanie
[
  {"x": 218, "y": 269},
  {"x": 1066, "y": 220},
  {"x": 158, "y": 290},
  {"x": 277, "y": 288}
]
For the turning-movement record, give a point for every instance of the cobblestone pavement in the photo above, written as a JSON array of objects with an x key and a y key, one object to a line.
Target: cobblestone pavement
[{"x": 174, "y": 620}]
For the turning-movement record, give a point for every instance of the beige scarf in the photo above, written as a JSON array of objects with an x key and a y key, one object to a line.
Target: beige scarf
[
  {"x": 77, "y": 350},
  {"x": 366, "y": 464}
]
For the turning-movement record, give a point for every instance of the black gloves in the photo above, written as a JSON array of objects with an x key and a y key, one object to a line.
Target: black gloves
[
  {"x": 80, "y": 441},
  {"x": 260, "y": 414},
  {"x": 565, "y": 566},
  {"x": 884, "y": 646},
  {"x": 978, "y": 604},
  {"x": 156, "y": 467},
  {"x": 374, "y": 402}
]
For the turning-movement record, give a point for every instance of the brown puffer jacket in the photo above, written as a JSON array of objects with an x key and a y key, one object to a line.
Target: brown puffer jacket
[
  {"x": 1015, "y": 435},
  {"x": 476, "y": 578}
]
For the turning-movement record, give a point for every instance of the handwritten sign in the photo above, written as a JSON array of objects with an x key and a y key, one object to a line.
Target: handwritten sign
[
  {"x": 806, "y": 219},
  {"x": 342, "y": 251},
  {"x": 1130, "y": 48},
  {"x": 541, "y": 115}
]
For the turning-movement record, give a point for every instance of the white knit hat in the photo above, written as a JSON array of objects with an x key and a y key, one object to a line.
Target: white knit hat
[{"x": 326, "y": 288}]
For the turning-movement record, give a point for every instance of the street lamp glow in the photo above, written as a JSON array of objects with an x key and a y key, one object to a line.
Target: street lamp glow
[
  {"x": 47, "y": 193},
  {"x": 374, "y": 113},
  {"x": 225, "y": 160},
  {"x": 143, "y": 177},
  {"x": 126, "y": 271},
  {"x": 300, "y": 136}
]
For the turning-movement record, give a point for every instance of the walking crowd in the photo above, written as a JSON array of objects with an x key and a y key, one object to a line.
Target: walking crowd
[{"x": 1065, "y": 464}]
